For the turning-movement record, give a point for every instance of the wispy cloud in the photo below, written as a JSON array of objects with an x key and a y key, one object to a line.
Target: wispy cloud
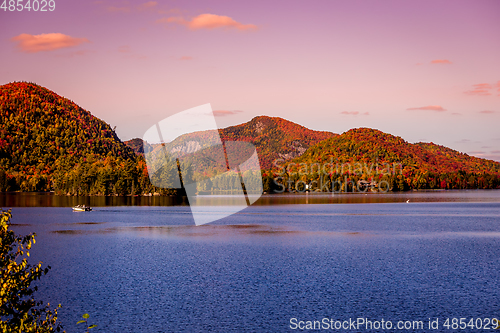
[
  {"x": 456, "y": 114},
  {"x": 147, "y": 5},
  {"x": 186, "y": 58},
  {"x": 46, "y": 42},
  {"x": 488, "y": 112},
  {"x": 355, "y": 113},
  {"x": 476, "y": 152},
  {"x": 437, "y": 108},
  {"x": 495, "y": 151},
  {"x": 128, "y": 53},
  {"x": 223, "y": 113},
  {"x": 441, "y": 61},
  {"x": 208, "y": 21},
  {"x": 480, "y": 89}
]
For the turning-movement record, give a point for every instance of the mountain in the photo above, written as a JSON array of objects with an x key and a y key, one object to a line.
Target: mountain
[
  {"x": 47, "y": 142},
  {"x": 41, "y": 126},
  {"x": 372, "y": 154},
  {"x": 274, "y": 138},
  {"x": 137, "y": 145}
]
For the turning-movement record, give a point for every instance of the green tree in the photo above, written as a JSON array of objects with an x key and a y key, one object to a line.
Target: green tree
[{"x": 19, "y": 311}]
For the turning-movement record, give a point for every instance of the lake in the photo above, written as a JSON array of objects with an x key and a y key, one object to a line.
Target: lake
[{"x": 140, "y": 264}]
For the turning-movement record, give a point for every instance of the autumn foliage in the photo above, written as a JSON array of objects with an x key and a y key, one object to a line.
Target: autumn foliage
[{"x": 48, "y": 143}]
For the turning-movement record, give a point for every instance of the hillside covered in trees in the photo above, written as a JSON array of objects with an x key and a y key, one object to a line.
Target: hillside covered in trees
[
  {"x": 273, "y": 137},
  {"x": 48, "y": 143},
  {"x": 371, "y": 156}
]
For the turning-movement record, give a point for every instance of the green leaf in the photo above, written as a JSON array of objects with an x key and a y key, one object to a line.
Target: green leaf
[
  {"x": 86, "y": 316},
  {"x": 81, "y": 321}
]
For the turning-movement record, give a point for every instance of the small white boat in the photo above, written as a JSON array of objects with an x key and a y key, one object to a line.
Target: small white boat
[{"x": 82, "y": 208}]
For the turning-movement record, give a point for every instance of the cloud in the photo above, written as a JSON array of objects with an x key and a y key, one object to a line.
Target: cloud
[
  {"x": 464, "y": 141},
  {"x": 441, "y": 61},
  {"x": 223, "y": 113},
  {"x": 208, "y": 21},
  {"x": 488, "y": 112},
  {"x": 456, "y": 114},
  {"x": 147, "y": 5},
  {"x": 437, "y": 108},
  {"x": 476, "y": 152},
  {"x": 495, "y": 151},
  {"x": 46, "y": 42},
  {"x": 480, "y": 89},
  {"x": 354, "y": 113},
  {"x": 128, "y": 53},
  {"x": 186, "y": 58}
]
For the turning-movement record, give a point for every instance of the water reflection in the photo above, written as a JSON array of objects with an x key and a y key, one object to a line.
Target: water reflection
[{"x": 51, "y": 200}]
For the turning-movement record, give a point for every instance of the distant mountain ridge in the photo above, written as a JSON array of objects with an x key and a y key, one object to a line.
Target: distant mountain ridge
[
  {"x": 48, "y": 143},
  {"x": 367, "y": 145},
  {"x": 412, "y": 166},
  {"x": 273, "y": 137}
]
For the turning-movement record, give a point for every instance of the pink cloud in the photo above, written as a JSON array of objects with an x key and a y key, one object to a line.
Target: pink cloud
[
  {"x": 223, "y": 113},
  {"x": 441, "y": 61},
  {"x": 208, "y": 21},
  {"x": 488, "y": 112},
  {"x": 46, "y": 42},
  {"x": 355, "y": 113},
  {"x": 147, "y": 5},
  {"x": 480, "y": 89},
  {"x": 495, "y": 151},
  {"x": 456, "y": 114},
  {"x": 437, "y": 108},
  {"x": 178, "y": 20}
]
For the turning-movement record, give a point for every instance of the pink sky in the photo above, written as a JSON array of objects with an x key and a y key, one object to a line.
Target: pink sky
[{"x": 422, "y": 70}]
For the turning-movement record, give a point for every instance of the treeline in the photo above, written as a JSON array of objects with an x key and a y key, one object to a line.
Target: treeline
[
  {"x": 110, "y": 176},
  {"x": 349, "y": 182}
]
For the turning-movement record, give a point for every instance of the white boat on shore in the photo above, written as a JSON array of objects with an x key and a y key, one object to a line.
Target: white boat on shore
[{"x": 82, "y": 208}]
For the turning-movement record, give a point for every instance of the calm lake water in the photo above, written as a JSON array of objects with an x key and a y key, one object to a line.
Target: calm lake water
[{"x": 140, "y": 264}]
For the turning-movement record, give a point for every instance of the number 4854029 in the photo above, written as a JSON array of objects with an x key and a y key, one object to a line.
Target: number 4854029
[{"x": 28, "y": 5}]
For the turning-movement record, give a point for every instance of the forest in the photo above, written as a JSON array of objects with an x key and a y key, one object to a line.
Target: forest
[{"x": 48, "y": 143}]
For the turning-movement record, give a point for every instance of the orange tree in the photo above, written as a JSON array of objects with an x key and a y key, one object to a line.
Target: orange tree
[{"x": 19, "y": 311}]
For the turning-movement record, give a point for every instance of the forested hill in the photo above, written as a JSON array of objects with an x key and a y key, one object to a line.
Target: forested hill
[
  {"x": 47, "y": 142},
  {"x": 420, "y": 165},
  {"x": 273, "y": 137}
]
